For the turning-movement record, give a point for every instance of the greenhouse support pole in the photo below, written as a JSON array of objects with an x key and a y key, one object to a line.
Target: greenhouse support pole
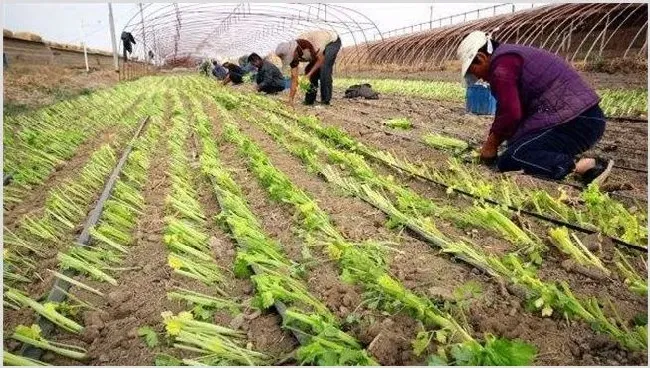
[
  {"x": 144, "y": 39},
  {"x": 83, "y": 42},
  {"x": 113, "y": 40}
]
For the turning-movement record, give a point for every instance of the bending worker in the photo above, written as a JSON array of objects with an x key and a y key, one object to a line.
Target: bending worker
[
  {"x": 318, "y": 48},
  {"x": 269, "y": 78},
  {"x": 546, "y": 112}
]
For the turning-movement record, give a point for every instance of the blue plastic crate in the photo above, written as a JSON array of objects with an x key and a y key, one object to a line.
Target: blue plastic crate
[{"x": 479, "y": 100}]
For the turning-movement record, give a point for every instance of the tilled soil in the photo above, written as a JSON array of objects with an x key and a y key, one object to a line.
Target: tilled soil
[
  {"x": 421, "y": 271},
  {"x": 111, "y": 336}
]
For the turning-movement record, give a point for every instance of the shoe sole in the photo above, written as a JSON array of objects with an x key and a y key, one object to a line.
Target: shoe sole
[{"x": 600, "y": 179}]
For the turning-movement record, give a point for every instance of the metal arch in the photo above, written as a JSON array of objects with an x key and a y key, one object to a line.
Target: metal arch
[
  {"x": 540, "y": 27},
  {"x": 602, "y": 32},
  {"x": 645, "y": 26},
  {"x": 194, "y": 25},
  {"x": 587, "y": 36}
]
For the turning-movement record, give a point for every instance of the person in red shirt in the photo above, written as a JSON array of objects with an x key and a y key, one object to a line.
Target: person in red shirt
[{"x": 533, "y": 95}]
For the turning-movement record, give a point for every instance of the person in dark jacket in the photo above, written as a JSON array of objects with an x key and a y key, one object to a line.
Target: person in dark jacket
[
  {"x": 219, "y": 71},
  {"x": 127, "y": 40},
  {"x": 235, "y": 74},
  {"x": 546, "y": 112},
  {"x": 269, "y": 78}
]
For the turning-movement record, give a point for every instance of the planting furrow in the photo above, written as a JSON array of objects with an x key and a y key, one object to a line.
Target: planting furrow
[
  {"x": 277, "y": 279},
  {"x": 363, "y": 264},
  {"x": 431, "y": 233},
  {"x": 99, "y": 253}
]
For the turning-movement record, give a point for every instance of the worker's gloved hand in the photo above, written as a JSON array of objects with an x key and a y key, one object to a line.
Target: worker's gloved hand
[{"x": 488, "y": 155}]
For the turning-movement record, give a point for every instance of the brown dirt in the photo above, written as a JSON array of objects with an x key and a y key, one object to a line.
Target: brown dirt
[{"x": 29, "y": 87}]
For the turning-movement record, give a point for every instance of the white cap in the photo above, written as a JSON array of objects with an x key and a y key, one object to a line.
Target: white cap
[{"x": 467, "y": 51}]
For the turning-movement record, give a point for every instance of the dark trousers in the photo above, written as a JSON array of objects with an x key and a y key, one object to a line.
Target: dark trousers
[
  {"x": 551, "y": 152},
  {"x": 271, "y": 89},
  {"x": 325, "y": 75}
]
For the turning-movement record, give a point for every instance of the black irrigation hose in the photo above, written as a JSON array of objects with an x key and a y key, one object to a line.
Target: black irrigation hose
[
  {"x": 628, "y": 120},
  {"x": 491, "y": 201},
  {"x": 57, "y": 293},
  {"x": 7, "y": 178}
]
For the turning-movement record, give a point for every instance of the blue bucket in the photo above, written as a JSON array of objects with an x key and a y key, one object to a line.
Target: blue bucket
[
  {"x": 287, "y": 82},
  {"x": 479, "y": 100}
]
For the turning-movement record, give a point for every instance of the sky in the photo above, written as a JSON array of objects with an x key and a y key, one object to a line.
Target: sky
[{"x": 67, "y": 22}]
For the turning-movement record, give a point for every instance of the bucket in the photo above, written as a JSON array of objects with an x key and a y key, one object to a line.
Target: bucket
[
  {"x": 287, "y": 82},
  {"x": 479, "y": 100}
]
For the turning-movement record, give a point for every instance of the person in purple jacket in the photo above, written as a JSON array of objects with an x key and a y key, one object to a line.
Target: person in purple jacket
[{"x": 546, "y": 112}]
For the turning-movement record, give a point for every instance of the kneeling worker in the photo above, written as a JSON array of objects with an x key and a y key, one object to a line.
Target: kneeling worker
[
  {"x": 269, "y": 78},
  {"x": 545, "y": 111}
]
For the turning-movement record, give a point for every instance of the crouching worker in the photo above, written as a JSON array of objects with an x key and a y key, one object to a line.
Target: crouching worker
[
  {"x": 269, "y": 78},
  {"x": 235, "y": 74},
  {"x": 546, "y": 112}
]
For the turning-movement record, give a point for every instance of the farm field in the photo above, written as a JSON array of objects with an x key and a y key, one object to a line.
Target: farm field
[{"x": 219, "y": 226}]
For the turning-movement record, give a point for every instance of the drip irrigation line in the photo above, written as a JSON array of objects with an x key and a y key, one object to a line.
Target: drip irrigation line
[
  {"x": 645, "y": 171},
  {"x": 628, "y": 120},
  {"x": 491, "y": 201},
  {"x": 59, "y": 290},
  {"x": 7, "y": 178}
]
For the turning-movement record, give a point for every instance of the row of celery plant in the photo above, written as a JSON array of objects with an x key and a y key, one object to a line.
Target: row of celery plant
[
  {"x": 65, "y": 207},
  {"x": 364, "y": 264},
  {"x": 408, "y": 201},
  {"x": 190, "y": 256},
  {"x": 490, "y": 218},
  {"x": 37, "y": 150},
  {"x": 544, "y": 296},
  {"x": 104, "y": 254},
  {"x": 276, "y": 278},
  {"x": 614, "y": 102},
  {"x": 599, "y": 212}
]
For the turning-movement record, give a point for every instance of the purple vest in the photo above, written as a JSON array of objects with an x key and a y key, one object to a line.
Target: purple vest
[{"x": 551, "y": 91}]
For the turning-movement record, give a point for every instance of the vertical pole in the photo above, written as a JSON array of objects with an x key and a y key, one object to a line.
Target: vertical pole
[
  {"x": 144, "y": 38},
  {"x": 513, "y": 8},
  {"x": 113, "y": 40},
  {"x": 431, "y": 17},
  {"x": 83, "y": 42}
]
